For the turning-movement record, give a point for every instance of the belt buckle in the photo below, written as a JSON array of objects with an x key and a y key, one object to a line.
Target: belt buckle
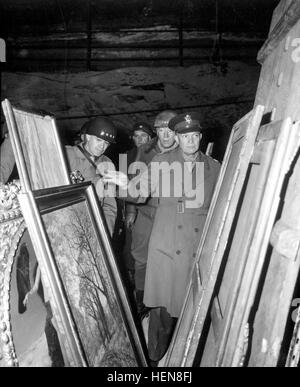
[{"x": 180, "y": 207}]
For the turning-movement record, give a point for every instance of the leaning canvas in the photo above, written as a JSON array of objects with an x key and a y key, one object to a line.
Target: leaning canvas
[{"x": 37, "y": 148}]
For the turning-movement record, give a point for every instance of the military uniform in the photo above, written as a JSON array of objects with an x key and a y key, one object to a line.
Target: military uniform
[
  {"x": 145, "y": 213},
  {"x": 78, "y": 162},
  {"x": 176, "y": 232},
  {"x": 174, "y": 240},
  {"x": 131, "y": 213}
]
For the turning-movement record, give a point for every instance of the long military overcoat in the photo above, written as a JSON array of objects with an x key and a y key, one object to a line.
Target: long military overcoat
[
  {"x": 175, "y": 236},
  {"x": 144, "y": 220}
]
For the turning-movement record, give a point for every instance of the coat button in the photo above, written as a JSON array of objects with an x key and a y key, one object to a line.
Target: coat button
[
  {"x": 196, "y": 229},
  {"x": 178, "y": 252}
]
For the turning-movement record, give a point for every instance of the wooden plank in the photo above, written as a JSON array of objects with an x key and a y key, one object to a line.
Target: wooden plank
[
  {"x": 216, "y": 317},
  {"x": 278, "y": 87},
  {"x": 237, "y": 257},
  {"x": 278, "y": 12},
  {"x": 269, "y": 132},
  {"x": 277, "y": 293},
  {"x": 214, "y": 238},
  {"x": 290, "y": 15},
  {"x": 280, "y": 91},
  {"x": 287, "y": 145},
  {"x": 246, "y": 254}
]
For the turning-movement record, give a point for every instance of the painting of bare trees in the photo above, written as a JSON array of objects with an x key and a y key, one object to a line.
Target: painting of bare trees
[{"x": 91, "y": 295}]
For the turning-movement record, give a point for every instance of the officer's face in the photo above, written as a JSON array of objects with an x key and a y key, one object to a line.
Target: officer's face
[
  {"x": 140, "y": 137},
  {"x": 189, "y": 142},
  {"x": 166, "y": 137},
  {"x": 96, "y": 146}
]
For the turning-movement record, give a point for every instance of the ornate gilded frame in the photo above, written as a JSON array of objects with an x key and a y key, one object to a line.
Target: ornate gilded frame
[{"x": 12, "y": 227}]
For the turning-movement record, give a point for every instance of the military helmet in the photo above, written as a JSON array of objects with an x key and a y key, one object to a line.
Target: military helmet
[
  {"x": 162, "y": 119},
  {"x": 100, "y": 127},
  {"x": 143, "y": 126}
]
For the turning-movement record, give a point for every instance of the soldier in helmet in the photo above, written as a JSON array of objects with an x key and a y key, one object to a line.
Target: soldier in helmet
[
  {"x": 140, "y": 217},
  {"x": 88, "y": 160},
  {"x": 141, "y": 134}
]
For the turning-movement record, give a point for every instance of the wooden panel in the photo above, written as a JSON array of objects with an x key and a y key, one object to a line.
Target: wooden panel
[
  {"x": 237, "y": 257},
  {"x": 218, "y": 218},
  {"x": 37, "y": 148},
  {"x": 278, "y": 87},
  {"x": 214, "y": 239},
  {"x": 280, "y": 91},
  {"x": 276, "y": 299},
  {"x": 269, "y": 132},
  {"x": 216, "y": 318},
  {"x": 209, "y": 356},
  {"x": 279, "y": 11},
  {"x": 247, "y": 221},
  {"x": 285, "y": 17},
  {"x": 250, "y": 243}
]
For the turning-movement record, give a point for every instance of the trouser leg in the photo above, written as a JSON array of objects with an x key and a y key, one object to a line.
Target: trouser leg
[
  {"x": 139, "y": 252},
  {"x": 161, "y": 328},
  {"x": 128, "y": 258},
  {"x": 140, "y": 273},
  {"x": 140, "y": 240},
  {"x": 140, "y": 255}
]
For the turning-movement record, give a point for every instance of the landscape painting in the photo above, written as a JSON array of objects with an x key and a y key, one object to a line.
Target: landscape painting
[{"x": 90, "y": 292}]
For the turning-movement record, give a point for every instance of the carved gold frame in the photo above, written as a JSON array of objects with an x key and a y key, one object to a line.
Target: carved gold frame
[{"x": 12, "y": 228}]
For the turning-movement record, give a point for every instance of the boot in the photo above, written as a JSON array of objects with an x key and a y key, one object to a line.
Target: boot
[{"x": 142, "y": 310}]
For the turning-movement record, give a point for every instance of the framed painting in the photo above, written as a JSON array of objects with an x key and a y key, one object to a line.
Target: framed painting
[
  {"x": 37, "y": 148},
  {"x": 213, "y": 242},
  {"x": 28, "y": 337},
  {"x": 80, "y": 279}
]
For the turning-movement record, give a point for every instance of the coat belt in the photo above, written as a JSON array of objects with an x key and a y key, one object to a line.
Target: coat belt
[{"x": 179, "y": 205}]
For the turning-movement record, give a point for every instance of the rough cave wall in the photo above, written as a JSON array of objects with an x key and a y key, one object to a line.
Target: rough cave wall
[{"x": 139, "y": 89}]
